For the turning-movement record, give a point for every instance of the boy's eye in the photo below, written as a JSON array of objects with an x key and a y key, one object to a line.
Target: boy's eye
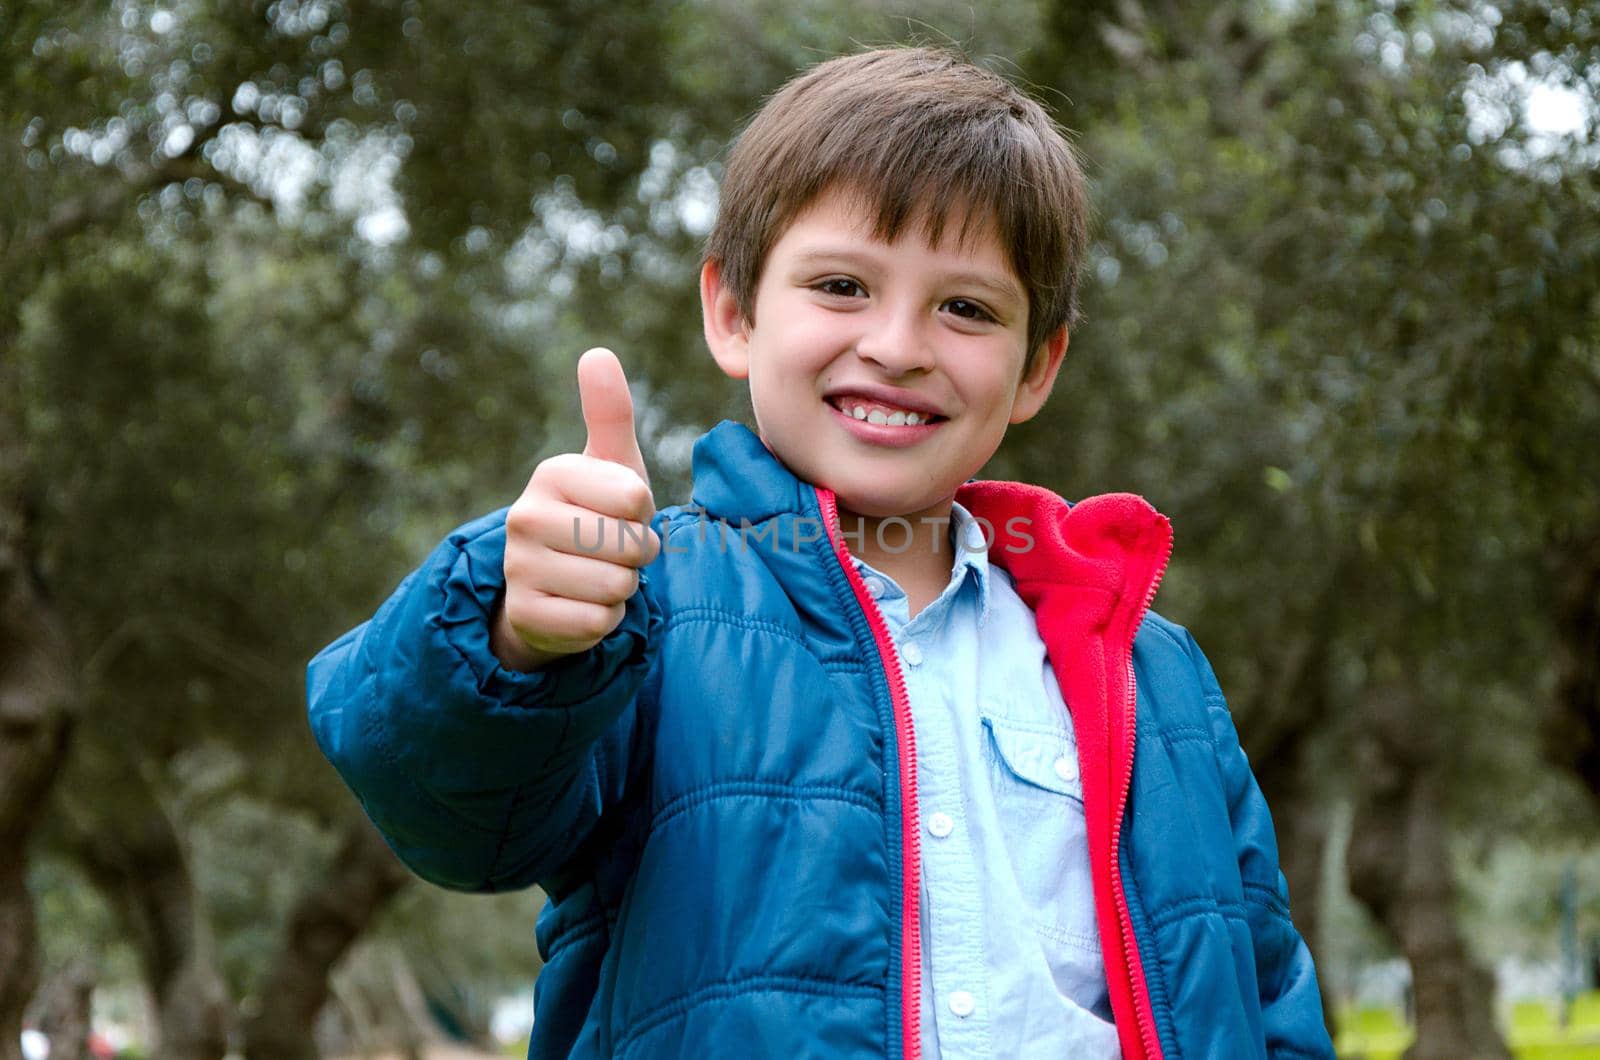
[
  {"x": 968, "y": 310},
  {"x": 840, "y": 286}
]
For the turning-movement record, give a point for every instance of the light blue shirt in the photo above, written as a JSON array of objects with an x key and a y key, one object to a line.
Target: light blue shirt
[{"x": 1011, "y": 962}]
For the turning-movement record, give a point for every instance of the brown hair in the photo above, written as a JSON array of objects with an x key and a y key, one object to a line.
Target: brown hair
[{"x": 909, "y": 130}]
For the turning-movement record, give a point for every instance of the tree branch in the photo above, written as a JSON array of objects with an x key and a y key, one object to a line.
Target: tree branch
[{"x": 100, "y": 205}]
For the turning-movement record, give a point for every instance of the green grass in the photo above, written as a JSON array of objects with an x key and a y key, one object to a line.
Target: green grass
[
  {"x": 1586, "y": 1012},
  {"x": 1372, "y": 1033},
  {"x": 1533, "y": 1031}
]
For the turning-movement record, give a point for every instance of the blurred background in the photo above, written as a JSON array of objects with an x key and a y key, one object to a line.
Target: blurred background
[{"x": 290, "y": 289}]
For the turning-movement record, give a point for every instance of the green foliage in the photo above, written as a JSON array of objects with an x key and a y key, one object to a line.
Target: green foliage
[
  {"x": 79, "y": 924},
  {"x": 1391, "y": 314}
]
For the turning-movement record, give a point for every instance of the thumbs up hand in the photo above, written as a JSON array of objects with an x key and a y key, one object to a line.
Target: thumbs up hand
[{"x": 577, "y": 536}]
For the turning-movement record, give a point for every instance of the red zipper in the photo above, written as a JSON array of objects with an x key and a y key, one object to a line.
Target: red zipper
[
  {"x": 1144, "y": 1015},
  {"x": 910, "y": 835}
]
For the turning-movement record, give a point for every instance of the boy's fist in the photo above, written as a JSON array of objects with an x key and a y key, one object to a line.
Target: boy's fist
[{"x": 577, "y": 536}]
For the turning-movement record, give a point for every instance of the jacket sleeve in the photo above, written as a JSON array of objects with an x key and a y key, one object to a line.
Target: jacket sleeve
[
  {"x": 480, "y": 778},
  {"x": 1291, "y": 1002}
]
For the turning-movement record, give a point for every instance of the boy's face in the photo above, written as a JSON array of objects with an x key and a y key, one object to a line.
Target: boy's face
[{"x": 846, "y": 324}]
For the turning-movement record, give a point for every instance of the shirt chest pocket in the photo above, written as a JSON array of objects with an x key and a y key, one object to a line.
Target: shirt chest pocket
[{"x": 1033, "y": 772}]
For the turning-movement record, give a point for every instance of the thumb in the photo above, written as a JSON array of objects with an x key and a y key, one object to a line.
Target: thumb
[{"x": 608, "y": 411}]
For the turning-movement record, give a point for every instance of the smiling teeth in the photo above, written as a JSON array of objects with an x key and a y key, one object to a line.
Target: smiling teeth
[{"x": 878, "y": 416}]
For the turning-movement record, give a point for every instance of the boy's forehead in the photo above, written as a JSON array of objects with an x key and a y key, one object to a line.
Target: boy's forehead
[{"x": 836, "y": 217}]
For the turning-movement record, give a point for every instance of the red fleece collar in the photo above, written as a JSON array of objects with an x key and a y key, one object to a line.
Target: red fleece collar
[{"x": 1089, "y": 573}]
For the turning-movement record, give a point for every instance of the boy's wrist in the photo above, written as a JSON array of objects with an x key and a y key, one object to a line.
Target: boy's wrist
[{"x": 513, "y": 652}]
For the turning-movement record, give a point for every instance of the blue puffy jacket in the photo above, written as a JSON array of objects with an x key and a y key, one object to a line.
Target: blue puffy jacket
[{"x": 719, "y": 798}]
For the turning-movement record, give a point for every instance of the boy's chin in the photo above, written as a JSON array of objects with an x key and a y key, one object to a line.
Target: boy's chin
[
  {"x": 870, "y": 505},
  {"x": 862, "y": 498}
]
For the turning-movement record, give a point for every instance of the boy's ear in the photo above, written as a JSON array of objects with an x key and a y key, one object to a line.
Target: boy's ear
[
  {"x": 724, "y": 323},
  {"x": 1040, "y": 378}
]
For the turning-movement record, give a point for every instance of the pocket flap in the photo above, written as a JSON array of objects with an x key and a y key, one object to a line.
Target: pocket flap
[{"x": 1043, "y": 757}]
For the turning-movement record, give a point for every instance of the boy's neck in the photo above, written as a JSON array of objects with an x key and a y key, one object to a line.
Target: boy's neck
[{"x": 913, "y": 549}]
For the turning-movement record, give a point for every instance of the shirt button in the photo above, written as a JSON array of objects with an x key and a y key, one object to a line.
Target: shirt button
[
  {"x": 940, "y": 825},
  {"x": 1066, "y": 768},
  {"x": 962, "y": 1003},
  {"x": 874, "y": 588},
  {"x": 912, "y": 654}
]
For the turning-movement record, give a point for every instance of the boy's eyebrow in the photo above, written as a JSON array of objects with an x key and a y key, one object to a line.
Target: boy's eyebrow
[{"x": 1003, "y": 286}]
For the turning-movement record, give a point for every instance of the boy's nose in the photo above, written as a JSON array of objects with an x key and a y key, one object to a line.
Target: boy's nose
[{"x": 897, "y": 343}]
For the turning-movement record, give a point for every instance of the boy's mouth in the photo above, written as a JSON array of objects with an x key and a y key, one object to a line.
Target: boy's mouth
[{"x": 882, "y": 413}]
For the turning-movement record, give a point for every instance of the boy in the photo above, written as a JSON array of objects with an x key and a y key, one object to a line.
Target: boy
[{"x": 854, "y": 756}]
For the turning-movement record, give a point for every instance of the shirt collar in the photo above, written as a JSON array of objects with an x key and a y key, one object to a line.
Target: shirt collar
[
  {"x": 969, "y": 561},
  {"x": 970, "y": 541}
]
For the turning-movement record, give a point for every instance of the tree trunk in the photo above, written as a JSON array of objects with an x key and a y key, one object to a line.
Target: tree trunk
[
  {"x": 1572, "y": 733},
  {"x": 327, "y": 919},
  {"x": 1400, "y": 868},
  {"x": 414, "y": 1023},
  {"x": 19, "y": 945},
  {"x": 135, "y": 858},
  {"x": 1300, "y": 820},
  {"x": 65, "y": 1009},
  {"x": 1281, "y": 726},
  {"x": 36, "y": 691}
]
